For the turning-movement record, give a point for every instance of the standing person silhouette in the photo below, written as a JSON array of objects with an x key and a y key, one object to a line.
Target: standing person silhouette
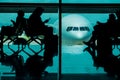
[{"x": 51, "y": 46}]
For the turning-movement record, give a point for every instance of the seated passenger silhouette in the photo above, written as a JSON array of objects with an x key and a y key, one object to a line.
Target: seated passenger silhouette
[
  {"x": 103, "y": 34},
  {"x": 17, "y": 28},
  {"x": 35, "y": 24},
  {"x": 20, "y": 24}
]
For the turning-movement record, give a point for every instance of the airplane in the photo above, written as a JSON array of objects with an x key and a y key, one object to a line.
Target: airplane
[{"x": 75, "y": 29}]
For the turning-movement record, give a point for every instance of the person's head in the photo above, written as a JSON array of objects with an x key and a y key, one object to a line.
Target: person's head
[
  {"x": 112, "y": 17},
  {"x": 20, "y": 13},
  {"x": 38, "y": 11}
]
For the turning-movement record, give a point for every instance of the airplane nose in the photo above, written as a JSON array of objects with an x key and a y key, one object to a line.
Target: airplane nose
[{"x": 75, "y": 27}]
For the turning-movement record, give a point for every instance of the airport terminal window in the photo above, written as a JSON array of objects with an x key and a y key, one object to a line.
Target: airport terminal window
[
  {"x": 5, "y": 20},
  {"x": 74, "y": 59},
  {"x": 78, "y": 61},
  {"x": 50, "y": 14}
]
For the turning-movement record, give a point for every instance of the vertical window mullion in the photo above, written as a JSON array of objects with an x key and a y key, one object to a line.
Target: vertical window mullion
[{"x": 60, "y": 41}]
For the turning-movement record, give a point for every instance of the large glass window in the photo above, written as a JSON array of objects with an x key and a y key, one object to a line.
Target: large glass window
[
  {"x": 5, "y": 20},
  {"x": 74, "y": 59},
  {"x": 77, "y": 63}
]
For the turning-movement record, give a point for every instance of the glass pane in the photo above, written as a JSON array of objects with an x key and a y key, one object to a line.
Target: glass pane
[
  {"x": 31, "y": 1},
  {"x": 5, "y": 20},
  {"x": 77, "y": 63},
  {"x": 6, "y": 17},
  {"x": 74, "y": 60}
]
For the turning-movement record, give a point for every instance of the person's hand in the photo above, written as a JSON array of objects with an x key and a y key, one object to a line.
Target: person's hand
[
  {"x": 47, "y": 20},
  {"x": 13, "y": 22}
]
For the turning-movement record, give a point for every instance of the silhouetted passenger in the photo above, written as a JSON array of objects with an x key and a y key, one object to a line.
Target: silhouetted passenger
[
  {"x": 36, "y": 25},
  {"x": 20, "y": 24},
  {"x": 117, "y": 26},
  {"x": 51, "y": 46},
  {"x": 103, "y": 34},
  {"x": 111, "y": 60}
]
